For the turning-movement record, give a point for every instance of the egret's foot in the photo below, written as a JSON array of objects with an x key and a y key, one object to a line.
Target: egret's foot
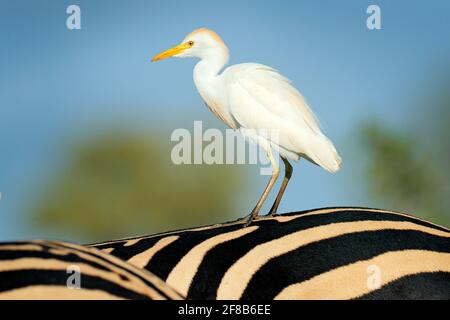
[
  {"x": 250, "y": 218},
  {"x": 272, "y": 212}
]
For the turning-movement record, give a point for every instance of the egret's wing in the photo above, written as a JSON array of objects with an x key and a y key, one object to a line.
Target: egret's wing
[
  {"x": 260, "y": 98},
  {"x": 271, "y": 91}
]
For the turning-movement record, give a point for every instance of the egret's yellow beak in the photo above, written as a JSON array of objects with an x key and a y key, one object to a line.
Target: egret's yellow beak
[{"x": 171, "y": 52}]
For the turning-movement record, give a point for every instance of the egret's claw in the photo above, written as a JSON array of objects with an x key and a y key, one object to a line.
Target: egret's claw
[
  {"x": 271, "y": 213},
  {"x": 250, "y": 218}
]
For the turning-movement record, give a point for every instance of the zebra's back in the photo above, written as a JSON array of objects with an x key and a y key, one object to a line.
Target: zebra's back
[
  {"x": 330, "y": 253},
  {"x": 40, "y": 269}
]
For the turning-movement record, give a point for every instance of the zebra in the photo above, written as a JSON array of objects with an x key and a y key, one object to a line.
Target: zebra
[
  {"x": 40, "y": 269},
  {"x": 326, "y": 253}
]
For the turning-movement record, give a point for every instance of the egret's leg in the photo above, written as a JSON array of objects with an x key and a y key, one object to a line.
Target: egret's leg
[
  {"x": 275, "y": 173},
  {"x": 287, "y": 175}
]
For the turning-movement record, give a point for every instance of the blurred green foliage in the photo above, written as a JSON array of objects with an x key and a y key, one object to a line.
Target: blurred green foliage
[
  {"x": 399, "y": 175},
  {"x": 408, "y": 169},
  {"x": 122, "y": 184}
]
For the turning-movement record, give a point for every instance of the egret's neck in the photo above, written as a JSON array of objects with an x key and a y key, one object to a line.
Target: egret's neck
[
  {"x": 206, "y": 74},
  {"x": 209, "y": 83},
  {"x": 211, "y": 63}
]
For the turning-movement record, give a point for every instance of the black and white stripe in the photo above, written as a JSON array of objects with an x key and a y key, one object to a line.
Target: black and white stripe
[
  {"x": 38, "y": 270},
  {"x": 316, "y": 254}
]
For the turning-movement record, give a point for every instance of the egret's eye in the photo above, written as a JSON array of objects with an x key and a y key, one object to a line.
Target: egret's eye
[{"x": 191, "y": 43}]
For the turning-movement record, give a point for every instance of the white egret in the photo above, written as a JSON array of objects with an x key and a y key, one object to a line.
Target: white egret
[{"x": 255, "y": 98}]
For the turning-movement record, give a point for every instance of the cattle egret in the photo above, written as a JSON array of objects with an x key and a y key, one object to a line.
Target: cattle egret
[{"x": 254, "y": 98}]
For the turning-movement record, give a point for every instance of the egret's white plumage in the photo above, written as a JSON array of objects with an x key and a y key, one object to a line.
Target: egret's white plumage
[
  {"x": 254, "y": 96},
  {"x": 260, "y": 98}
]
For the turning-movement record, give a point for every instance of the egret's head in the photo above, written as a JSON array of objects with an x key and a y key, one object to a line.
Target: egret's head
[{"x": 201, "y": 43}]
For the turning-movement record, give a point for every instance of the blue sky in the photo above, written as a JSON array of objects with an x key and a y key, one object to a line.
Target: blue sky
[{"x": 55, "y": 83}]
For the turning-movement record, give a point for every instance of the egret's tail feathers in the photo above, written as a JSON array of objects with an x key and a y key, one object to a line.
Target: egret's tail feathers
[{"x": 325, "y": 155}]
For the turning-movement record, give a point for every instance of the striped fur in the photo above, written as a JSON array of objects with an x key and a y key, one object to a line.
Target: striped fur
[
  {"x": 319, "y": 254},
  {"x": 39, "y": 270}
]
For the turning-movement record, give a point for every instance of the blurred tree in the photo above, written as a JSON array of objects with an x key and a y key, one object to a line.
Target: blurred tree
[
  {"x": 408, "y": 170},
  {"x": 400, "y": 176},
  {"x": 120, "y": 184}
]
